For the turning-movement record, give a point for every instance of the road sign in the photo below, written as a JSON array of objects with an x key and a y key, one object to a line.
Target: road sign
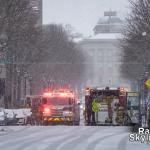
[{"x": 147, "y": 82}]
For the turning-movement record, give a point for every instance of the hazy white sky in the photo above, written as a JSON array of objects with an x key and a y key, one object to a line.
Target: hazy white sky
[{"x": 81, "y": 14}]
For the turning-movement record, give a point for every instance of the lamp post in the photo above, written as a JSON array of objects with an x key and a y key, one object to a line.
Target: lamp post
[
  {"x": 30, "y": 82},
  {"x": 143, "y": 113},
  {"x": 18, "y": 84},
  {"x": 3, "y": 47},
  {"x": 25, "y": 83},
  {"x": 143, "y": 108}
]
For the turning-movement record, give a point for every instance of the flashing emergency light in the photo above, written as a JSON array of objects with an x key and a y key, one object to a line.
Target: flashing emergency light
[
  {"x": 46, "y": 110},
  {"x": 47, "y": 94},
  {"x": 66, "y": 95},
  {"x": 61, "y": 94}
]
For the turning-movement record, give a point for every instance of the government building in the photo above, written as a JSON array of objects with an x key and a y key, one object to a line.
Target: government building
[{"x": 103, "y": 53}]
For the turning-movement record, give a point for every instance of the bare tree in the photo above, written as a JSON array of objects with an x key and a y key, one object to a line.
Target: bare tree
[
  {"x": 48, "y": 53},
  {"x": 60, "y": 58},
  {"x": 136, "y": 40},
  {"x": 18, "y": 24}
]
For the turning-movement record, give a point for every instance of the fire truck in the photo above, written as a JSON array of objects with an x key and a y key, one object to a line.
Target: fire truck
[
  {"x": 132, "y": 109},
  {"x": 54, "y": 107},
  {"x": 108, "y": 107}
]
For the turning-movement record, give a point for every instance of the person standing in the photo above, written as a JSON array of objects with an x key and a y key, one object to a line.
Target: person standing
[
  {"x": 88, "y": 109},
  {"x": 94, "y": 109}
]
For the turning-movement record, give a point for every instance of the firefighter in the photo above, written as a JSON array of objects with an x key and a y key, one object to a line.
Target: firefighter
[
  {"x": 89, "y": 110},
  {"x": 94, "y": 109}
]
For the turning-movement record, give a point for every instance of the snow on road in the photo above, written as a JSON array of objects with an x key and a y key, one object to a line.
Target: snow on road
[{"x": 67, "y": 138}]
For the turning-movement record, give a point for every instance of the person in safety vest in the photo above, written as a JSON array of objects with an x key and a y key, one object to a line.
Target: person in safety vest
[{"x": 94, "y": 109}]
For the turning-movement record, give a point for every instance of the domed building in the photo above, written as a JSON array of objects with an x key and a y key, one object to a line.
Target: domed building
[
  {"x": 103, "y": 53},
  {"x": 108, "y": 25}
]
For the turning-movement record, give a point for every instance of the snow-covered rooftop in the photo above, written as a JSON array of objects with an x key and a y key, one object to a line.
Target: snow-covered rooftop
[{"x": 104, "y": 36}]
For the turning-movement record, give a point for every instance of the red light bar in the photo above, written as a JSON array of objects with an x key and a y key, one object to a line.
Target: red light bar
[
  {"x": 63, "y": 94},
  {"x": 47, "y": 94},
  {"x": 46, "y": 110},
  {"x": 59, "y": 93}
]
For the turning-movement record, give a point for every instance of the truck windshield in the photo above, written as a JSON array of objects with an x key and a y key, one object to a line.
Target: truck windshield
[
  {"x": 58, "y": 101},
  {"x": 132, "y": 101}
]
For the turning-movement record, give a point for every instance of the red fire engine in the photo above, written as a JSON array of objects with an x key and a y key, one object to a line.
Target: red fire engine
[
  {"x": 55, "y": 107},
  {"x": 104, "y": 106}
]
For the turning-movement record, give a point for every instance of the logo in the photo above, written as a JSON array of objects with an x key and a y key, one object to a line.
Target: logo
[{"x": 142, "y": 136}]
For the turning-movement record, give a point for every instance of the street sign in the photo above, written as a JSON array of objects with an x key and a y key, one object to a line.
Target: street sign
[{"x": 147, "y": 82}]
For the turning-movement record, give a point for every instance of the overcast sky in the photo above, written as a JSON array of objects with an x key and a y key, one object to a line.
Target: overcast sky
[{"x": 81, "y": 14}]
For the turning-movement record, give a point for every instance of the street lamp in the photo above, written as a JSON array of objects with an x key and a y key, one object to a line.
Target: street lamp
[
  {"x": 144, "y": 33},
  {"x": 30, "y": 81},
  {"x": 3, "y": 45},
  {"x": 18, "y": 84},
  {"x": 142, "y": 79},
  {"x": 25, "y": 83},
  {"x": 147, "y": 75}
]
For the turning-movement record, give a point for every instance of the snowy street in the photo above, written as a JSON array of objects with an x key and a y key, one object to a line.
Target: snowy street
[
  {"x": 74, "y": 75},
  {"x": 67, "y": 138}
]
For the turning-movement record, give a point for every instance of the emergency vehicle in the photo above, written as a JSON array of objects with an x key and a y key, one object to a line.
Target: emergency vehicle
[
  {"x": 132, "y": 109},
  {"x": 108, "y": 106},
  {"x": 54, "y": 107}
]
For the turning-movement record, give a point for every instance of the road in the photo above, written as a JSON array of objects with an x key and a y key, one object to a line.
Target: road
[{"x": 67, "y": 138}]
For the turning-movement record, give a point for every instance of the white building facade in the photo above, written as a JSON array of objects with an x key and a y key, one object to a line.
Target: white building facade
[{"x": 103, "y": 54}]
